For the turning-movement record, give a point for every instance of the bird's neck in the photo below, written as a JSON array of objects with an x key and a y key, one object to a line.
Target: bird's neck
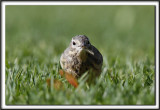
[{"x": 82, "y": 55}]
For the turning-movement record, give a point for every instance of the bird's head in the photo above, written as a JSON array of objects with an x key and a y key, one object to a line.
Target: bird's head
[{"x": 81, "y": 43}]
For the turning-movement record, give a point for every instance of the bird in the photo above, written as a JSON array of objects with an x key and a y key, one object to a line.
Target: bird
[{"x": 81, "y": 56}]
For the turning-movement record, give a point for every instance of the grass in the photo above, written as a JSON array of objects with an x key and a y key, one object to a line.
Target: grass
[{"x": 37, "y": 35}]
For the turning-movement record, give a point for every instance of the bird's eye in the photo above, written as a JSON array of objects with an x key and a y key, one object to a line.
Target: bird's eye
[
  {"x": 74, "y": 43},
  {"x": 87, "y": 42}
]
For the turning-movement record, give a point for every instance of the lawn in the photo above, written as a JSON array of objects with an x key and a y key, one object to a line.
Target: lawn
[{"x": 36, "y": 36}]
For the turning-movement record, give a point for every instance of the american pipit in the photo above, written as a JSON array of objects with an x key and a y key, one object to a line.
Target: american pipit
[{"x": 80, "y": 57}]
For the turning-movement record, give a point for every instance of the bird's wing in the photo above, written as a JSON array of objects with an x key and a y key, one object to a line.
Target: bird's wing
[{"x": 96, "y": 60}]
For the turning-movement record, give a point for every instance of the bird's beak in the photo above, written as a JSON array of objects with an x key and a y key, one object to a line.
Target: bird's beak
[{"x": 89, "y": 51}]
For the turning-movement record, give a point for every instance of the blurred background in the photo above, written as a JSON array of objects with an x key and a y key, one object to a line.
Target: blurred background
[
  {"x": 36, "y": 36},
  {"x": 44, "y": 31}
]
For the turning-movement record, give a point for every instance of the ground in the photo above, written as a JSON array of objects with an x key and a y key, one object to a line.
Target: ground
[{"x": 37, "y": 35}]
